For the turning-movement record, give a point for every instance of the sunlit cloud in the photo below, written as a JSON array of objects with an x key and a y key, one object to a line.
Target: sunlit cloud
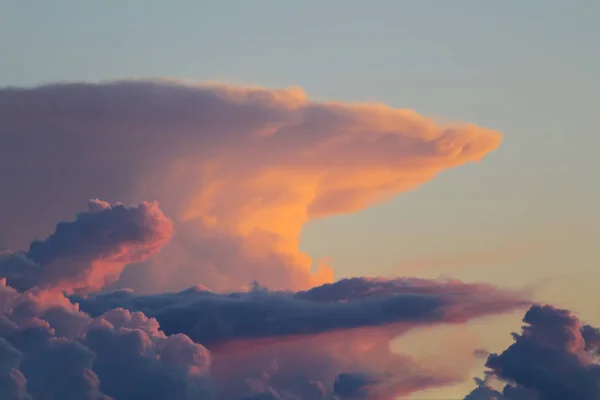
[{"x": 240, "y": 170}]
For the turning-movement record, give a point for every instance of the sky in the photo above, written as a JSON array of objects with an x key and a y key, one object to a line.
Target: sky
[{"x": 519, "y": 212}]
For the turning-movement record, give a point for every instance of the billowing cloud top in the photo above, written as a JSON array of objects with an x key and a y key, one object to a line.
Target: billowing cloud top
[
  {"x": 86, "y": 254},
  {"x": 554, "y": 358},
  {"x": 239, "y": 169}
]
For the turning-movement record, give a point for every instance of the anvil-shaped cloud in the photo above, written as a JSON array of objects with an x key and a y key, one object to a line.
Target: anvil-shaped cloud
[{"x": 238, "y": 169}]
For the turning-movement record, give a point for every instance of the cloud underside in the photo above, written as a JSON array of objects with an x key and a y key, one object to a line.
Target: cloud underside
[{"x": 239, "y": 170}]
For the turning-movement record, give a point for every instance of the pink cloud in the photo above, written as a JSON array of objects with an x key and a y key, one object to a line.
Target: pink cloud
[{"x": 88, "y": 253}]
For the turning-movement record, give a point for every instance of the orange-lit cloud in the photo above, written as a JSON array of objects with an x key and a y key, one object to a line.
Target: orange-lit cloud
[
  {"x": 239, "y": 170},
  {"x": 90, "y": 252}
]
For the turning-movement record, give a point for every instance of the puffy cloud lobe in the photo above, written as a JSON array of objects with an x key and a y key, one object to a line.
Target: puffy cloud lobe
[
  {"x": 86, "y": 254},
  {"x": 135, "y": 360},
  {"x": 49, "y": 349},
  {"x": 13, "y": 384},
  {"x": 239, "y": 169},
  {"x": 591, "y": 336},
  {"x": 42, "y": 364},
  {"x": 552, "y": 359},
  {"x": 118, "y": 355},
  {"x": 56, "y": 365},
  {"x": 484, "y": 391}
]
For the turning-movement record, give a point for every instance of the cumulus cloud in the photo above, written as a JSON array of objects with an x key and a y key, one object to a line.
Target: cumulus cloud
[
  {"x": 355, "y": 386},
  {"x": 118, "y": 355},
  {"x": 239, "y": 169},
  {"x": 50, "y": 349},
  {"x": 554, "y": 358},
  {"x": 88, "y": 253},
  {"x": 135, "y": 360}
]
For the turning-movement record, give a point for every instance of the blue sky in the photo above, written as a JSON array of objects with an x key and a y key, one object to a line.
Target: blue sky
[{"x": 526, "y": 68}]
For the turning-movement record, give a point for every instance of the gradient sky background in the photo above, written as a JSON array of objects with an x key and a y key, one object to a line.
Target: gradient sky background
[{"x": 527, "y": 213}]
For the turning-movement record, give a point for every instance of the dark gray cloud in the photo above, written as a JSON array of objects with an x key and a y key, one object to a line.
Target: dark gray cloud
[
  {"x": 212, "y": 318},
  {"x": 553, "y": 358},
  {"x": 50, "y": 349},
  {"x": 13, "y": 384},
  {"x": 135, "y": 360},
  {"x": 591, "y": 336},
  {"x": 118, "y": 355},
  {"x": 353, "y": 386}
]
